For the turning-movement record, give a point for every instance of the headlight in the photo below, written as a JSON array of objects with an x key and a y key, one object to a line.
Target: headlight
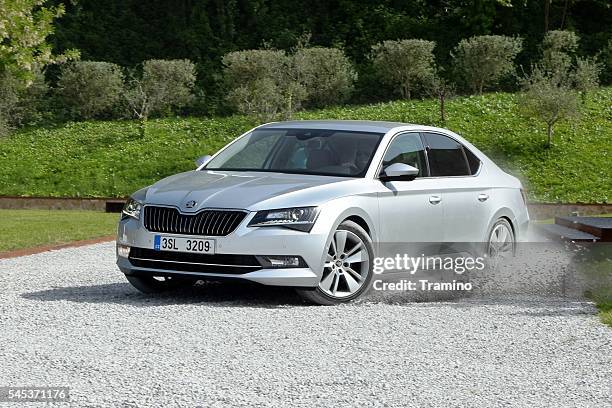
[
  {"x": 132, "y": 208},
  {"x": 302, "y": 218}
]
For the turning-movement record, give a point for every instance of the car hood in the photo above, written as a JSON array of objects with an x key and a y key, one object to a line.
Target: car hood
[{"x": 242, "y": 190}]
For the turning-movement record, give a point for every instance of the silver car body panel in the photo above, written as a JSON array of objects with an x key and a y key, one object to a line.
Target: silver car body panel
[{"x": 458, "y": 217}]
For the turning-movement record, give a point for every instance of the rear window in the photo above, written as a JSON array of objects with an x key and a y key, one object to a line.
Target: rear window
[
  {"x": 473, "y": 161},
  {"x": 446, "y": 157}
]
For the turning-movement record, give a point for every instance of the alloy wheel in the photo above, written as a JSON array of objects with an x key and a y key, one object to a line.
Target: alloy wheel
[
  {"x": 501, "y": 241},
  {"x": 346, "y": 266}
]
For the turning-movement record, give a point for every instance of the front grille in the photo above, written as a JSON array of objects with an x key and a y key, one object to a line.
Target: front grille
[
  {"x": 206, "y": 222},
  {"x": 188, "y": 262}
]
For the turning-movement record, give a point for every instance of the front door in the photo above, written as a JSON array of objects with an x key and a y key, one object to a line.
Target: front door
[{"x": 411, "y": 212}]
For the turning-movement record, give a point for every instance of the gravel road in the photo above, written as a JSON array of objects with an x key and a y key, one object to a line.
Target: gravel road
[{"x": 69, "y": 318}]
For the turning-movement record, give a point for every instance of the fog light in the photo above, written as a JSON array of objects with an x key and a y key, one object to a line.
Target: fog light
[
  {"x": 123, "y": 251},
  {"x": 281, "y": 261}
]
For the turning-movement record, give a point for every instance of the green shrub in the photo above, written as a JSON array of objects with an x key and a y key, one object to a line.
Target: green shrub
[
  {"x": 9, "y": 97},
  {"x": 482, "y": 61},
  {"x": 21, "y": 102},
  {"x": 606, "y": 58},
  {"x": 262, "y": 83},
  {"x": 326, "y": 73},
  {"x": 90, "y": 89},
  {"x": 586, "y": 76},
  {"x": 163, "y": 86},
  {"x": 549, "y": 98},
  {"x": 407, "y": 65},
  {"x": 559, "y": 50}
]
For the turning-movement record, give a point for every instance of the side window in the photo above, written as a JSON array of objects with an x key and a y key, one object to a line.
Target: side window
[
  {"x": 446, "y": 157},
  {"x": 473, "y": 161},
  {"x": 408, "y": 149}
]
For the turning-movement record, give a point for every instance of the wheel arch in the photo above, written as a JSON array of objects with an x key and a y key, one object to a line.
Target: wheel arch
[
  {"x": 507, "y": 214},
  {"x": 359, "y": 217}
]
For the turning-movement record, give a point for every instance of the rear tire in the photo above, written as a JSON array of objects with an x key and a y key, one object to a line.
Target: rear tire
[
  {"x": 347, "y": 271},
  {"x": 151, "y": 284}
]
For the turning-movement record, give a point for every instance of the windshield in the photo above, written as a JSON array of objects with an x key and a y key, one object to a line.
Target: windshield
[{"x": 302, "y": 151}]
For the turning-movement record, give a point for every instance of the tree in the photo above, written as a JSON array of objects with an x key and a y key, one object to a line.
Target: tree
[
  {"x": 326, "y": 73},
  {"x": 441, "y": 89},
  {"x": 586, "y": 76},
  {"x": 24, "y": 28},
  {"x": 405, "y": 64},
  {"x": 20, "y": 104},
  {"x": 263, "y": 83},
  {"x": 164, "y": 85},
  {"x": 90, "y": 88},
  {"x": 24, "y": 52},
  {"x": 548, "y": 97},
  {"x": 483, "y": 60},
  {"x": 559, "y": 49}
]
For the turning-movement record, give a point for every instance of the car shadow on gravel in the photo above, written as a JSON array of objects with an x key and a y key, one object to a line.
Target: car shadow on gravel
[{"x": 211, "y": 293}]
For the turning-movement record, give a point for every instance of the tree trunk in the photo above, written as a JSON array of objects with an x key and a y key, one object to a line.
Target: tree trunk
[
  {"x": 546, "y": 14},
  {"x": 442, "y": 108},
  {"x": 142, "y": 126},
  {"x": 565, "y": 6},
  {"x": 405, "y": 91},
  {"x": 289, "y": 112},
  {"x": 549, "y": 132}
]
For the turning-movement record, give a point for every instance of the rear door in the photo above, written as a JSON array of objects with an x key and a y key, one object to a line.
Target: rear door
[{"x": 465, "y": 198}]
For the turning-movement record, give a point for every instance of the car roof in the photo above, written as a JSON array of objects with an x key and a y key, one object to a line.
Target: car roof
[{"x": 349, "y": 125}]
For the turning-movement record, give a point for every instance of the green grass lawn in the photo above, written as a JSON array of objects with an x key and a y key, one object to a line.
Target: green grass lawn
[
  {"x": 605, "y": 312},
  {"x": 30, "y": 228},
  {"x": 110, "y": 158}
]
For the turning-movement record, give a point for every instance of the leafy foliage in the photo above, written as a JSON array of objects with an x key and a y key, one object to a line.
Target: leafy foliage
[
  {"x": 483, "y": 60},
  {"x": 326, "y": 74},
  {"x": 405, "y": 64},
  {"x": 18, "y": 104},
  {"x": 263, "y": 83},
  {"x": 254, "y": 79},
  {"x": 559, "y": 48},
  {"x": 548, "y": 98},
  {"x": 163, "y": 86},
  {"x": 24, "y": 28},
  {"x": 90, "y": 88},
  {"x": 111, "y": 159},
  {"x": 586, "y": 75}
]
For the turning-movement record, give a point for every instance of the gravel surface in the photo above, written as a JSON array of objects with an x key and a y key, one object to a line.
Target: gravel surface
[{"x": 69, "y": 318}]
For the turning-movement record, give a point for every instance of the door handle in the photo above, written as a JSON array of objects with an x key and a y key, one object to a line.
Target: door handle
[
  {"x": 435, "y": 199},
  {"x": 483, "y": 197}
]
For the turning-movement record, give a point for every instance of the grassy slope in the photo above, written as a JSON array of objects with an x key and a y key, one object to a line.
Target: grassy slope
[
  {"x": 111, "y": 159},
  {"x": 605, "y": 312},
  {"x": 29, "y": 228}
]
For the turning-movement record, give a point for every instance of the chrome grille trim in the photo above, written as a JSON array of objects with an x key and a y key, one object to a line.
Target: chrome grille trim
[{"x": 207, "y": 222}]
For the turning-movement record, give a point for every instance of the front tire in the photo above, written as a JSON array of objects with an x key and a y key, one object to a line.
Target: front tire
[
  {"x": 153, "y": 284},
  {"x": 347, "y": 270}
]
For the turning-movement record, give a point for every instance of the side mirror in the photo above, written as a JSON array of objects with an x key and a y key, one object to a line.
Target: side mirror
[
  {"x": 399, "y": 171},
  {"x": 202, "y": 160}
]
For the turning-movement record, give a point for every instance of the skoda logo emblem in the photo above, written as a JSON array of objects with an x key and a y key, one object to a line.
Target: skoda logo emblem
[{"x": 190, "y": 204}]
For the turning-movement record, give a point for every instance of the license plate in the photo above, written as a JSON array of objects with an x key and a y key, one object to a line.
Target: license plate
[{"x": 183, "y": 244}]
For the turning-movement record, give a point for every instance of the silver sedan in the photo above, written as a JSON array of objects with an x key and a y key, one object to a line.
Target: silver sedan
[{"x": 311, "y": 204}]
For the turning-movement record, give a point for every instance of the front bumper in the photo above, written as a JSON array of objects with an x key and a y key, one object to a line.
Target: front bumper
[{"x": 236, "y": 252}]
